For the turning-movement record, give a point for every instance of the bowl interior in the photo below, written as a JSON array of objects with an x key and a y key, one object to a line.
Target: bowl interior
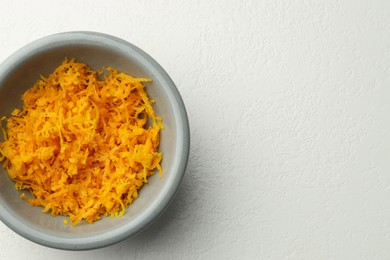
[{"x": 22, "y": 75}]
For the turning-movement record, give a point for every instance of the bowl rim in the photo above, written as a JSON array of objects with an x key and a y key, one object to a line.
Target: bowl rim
[{"x": 182, "y": 148}]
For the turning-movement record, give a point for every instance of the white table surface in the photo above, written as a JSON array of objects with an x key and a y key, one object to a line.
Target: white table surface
[{"x": 289, "y": 106}]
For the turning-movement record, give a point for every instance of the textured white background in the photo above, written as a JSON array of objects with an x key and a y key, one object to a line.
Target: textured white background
[{"x": 289, "y": 106}]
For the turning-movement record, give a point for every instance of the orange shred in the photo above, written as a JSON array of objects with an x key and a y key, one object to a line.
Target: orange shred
[{"x": 83, "y": 146}]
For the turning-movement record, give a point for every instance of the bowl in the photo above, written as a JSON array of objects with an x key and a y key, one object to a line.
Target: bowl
[{"x": 22, "y": 69}]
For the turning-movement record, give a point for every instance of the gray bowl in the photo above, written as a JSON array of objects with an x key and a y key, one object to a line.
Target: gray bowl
[{"x": 21, "y": 70}]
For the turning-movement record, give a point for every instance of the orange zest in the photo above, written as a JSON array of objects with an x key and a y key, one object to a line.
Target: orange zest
[{"x": 83, "y": 146}]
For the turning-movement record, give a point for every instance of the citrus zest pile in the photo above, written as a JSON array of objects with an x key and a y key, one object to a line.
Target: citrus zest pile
[{"x": 83, "y": 146}]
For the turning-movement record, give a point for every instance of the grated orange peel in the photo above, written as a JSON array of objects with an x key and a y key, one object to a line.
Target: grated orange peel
[{"x": 83, "y": 146}]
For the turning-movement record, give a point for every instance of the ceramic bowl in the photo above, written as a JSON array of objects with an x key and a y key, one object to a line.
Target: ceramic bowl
[{"x": 22, "y": 69}]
